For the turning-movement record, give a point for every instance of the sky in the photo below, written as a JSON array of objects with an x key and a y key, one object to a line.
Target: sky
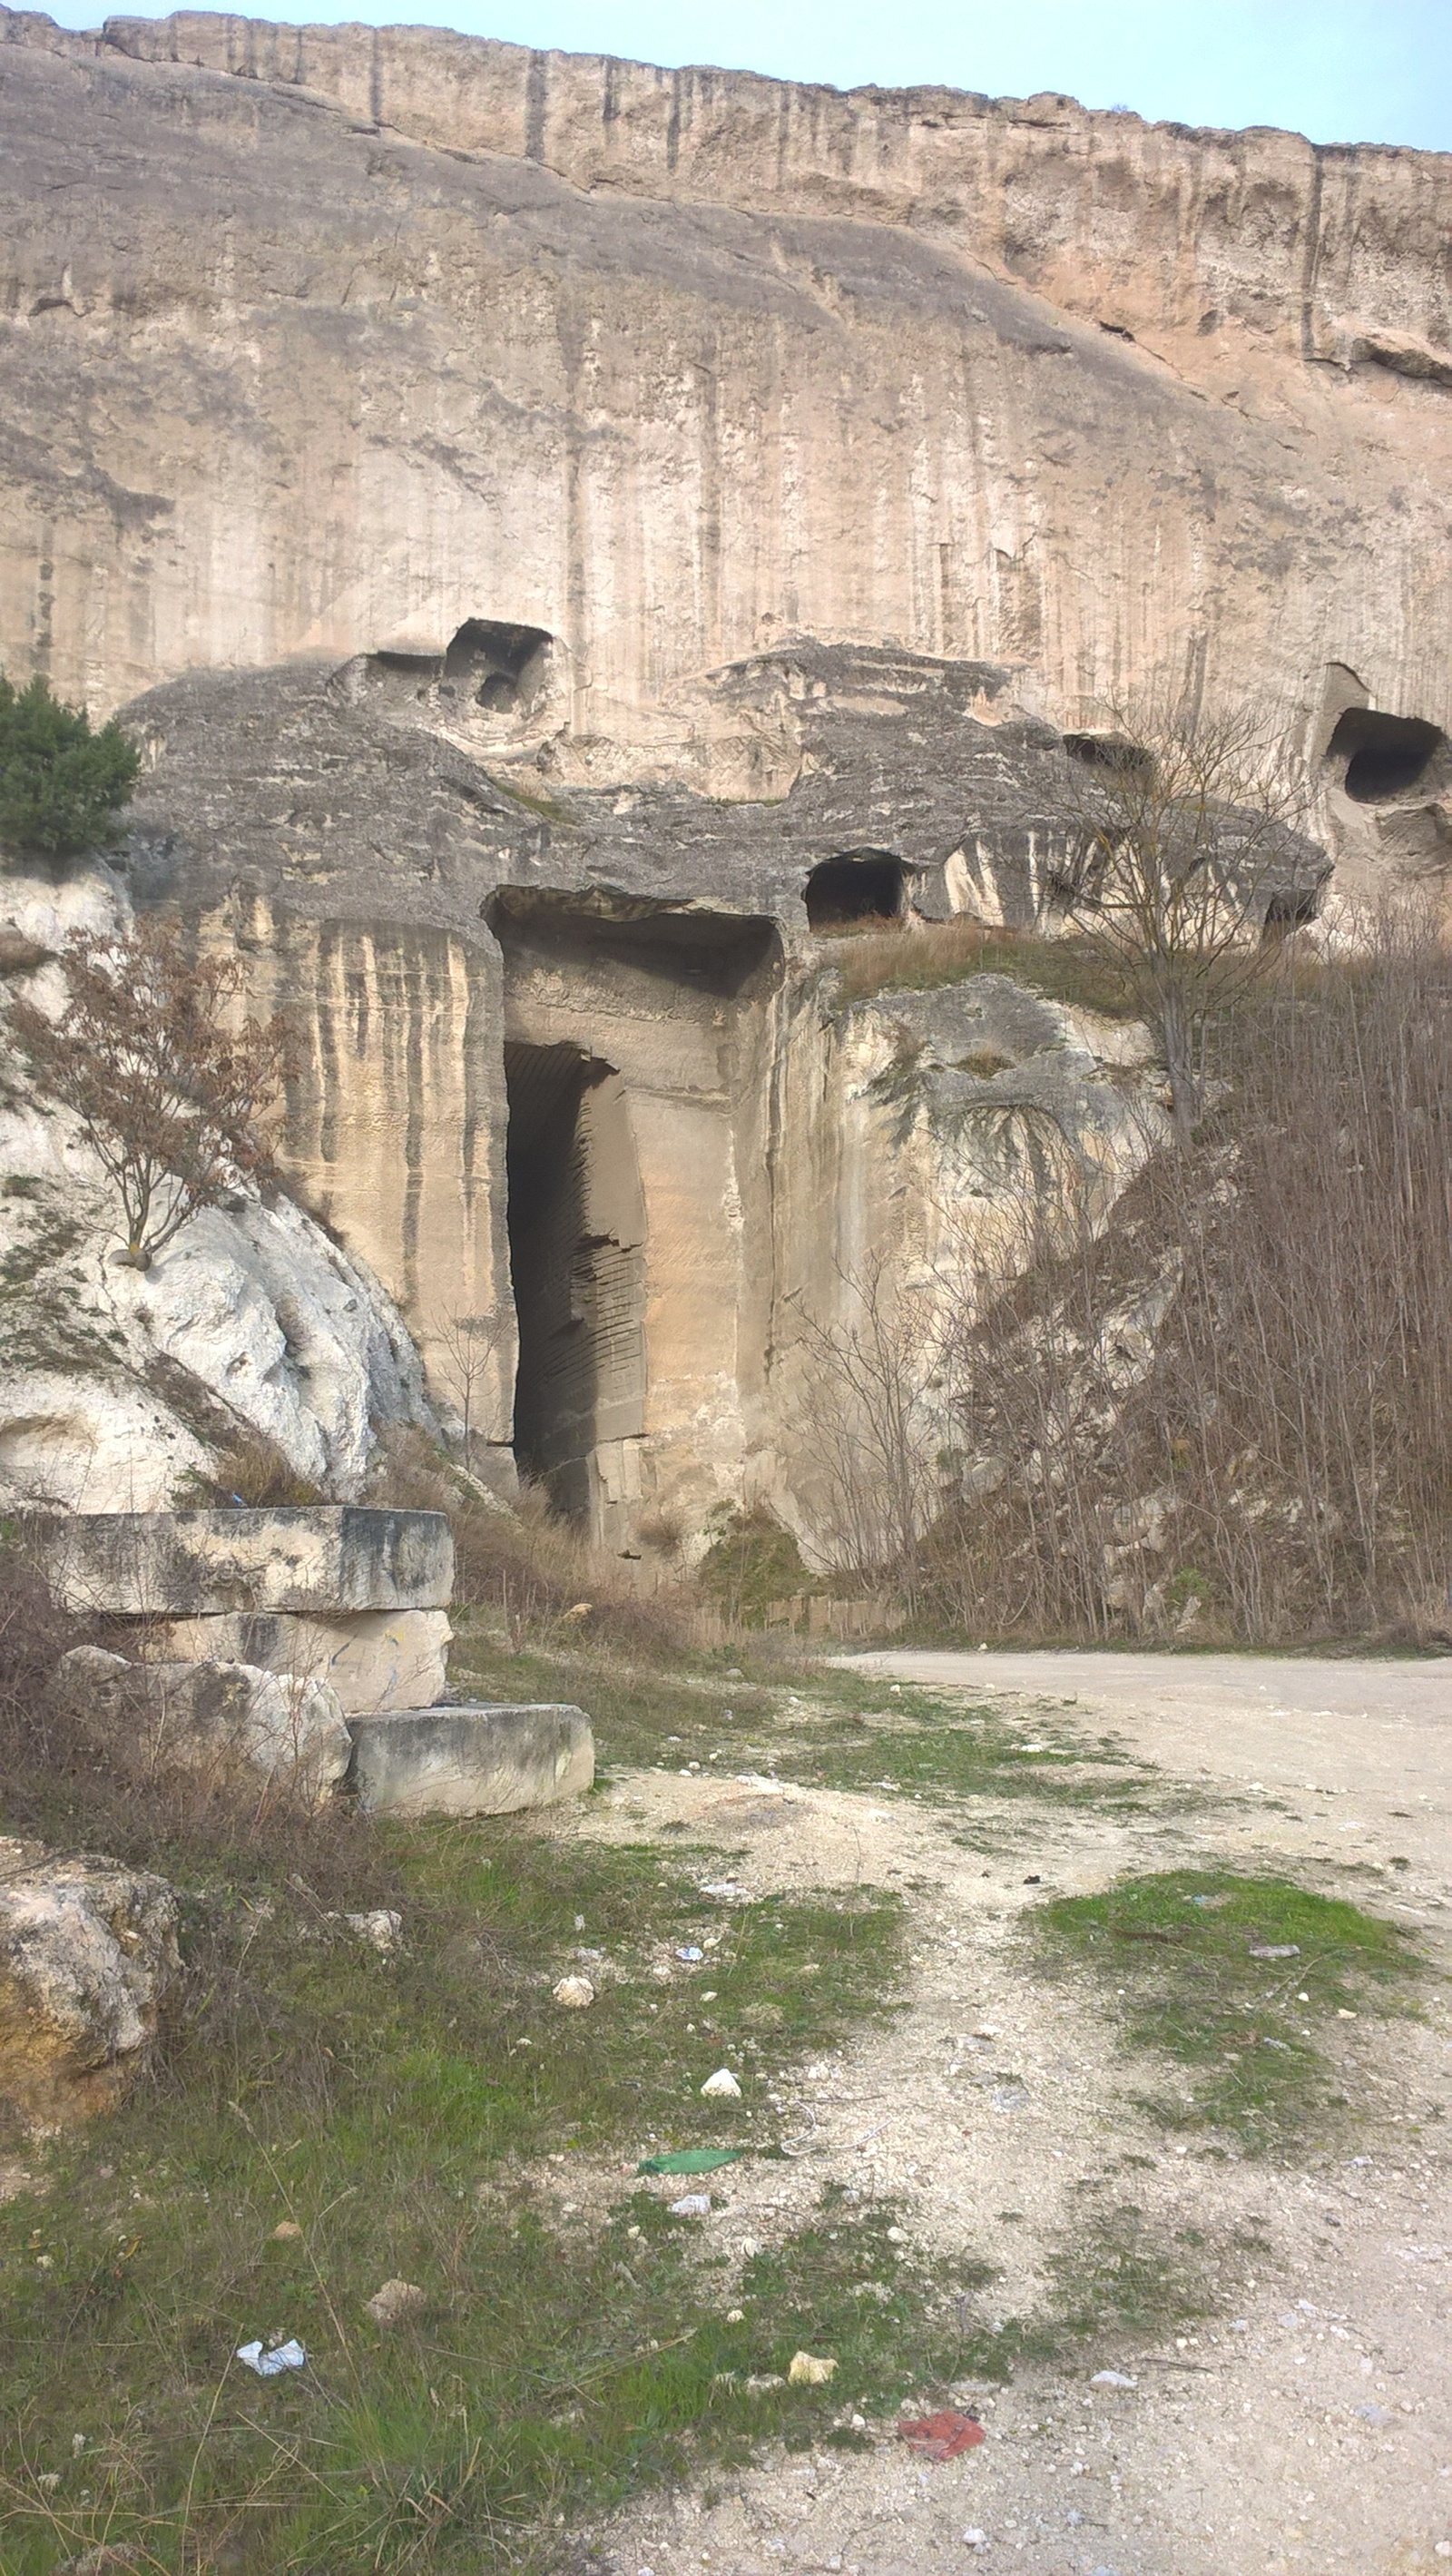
[{"x": 1341, "y": 71}]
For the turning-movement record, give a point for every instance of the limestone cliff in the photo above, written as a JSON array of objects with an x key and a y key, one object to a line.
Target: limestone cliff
[
  {"x": 115, "y": 1388},
  {"x": 569, "y": 537}
]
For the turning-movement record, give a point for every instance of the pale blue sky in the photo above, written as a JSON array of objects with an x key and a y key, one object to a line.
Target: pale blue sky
[{"x": 1342, "y": 71}]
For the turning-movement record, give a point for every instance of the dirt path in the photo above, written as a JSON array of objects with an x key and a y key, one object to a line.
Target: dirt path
[{"x": 1307, "y": 2426}]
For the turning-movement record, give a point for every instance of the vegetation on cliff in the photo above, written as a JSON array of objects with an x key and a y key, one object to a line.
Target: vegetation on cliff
[{"x": 62, "y": 786}]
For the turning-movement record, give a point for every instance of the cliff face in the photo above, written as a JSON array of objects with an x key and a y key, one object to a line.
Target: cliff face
[
  {"x": 567, "y": 535},
  {"x": 317, "y": 341}
]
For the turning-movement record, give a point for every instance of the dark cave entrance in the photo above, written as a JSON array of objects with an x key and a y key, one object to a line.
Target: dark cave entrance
[
  {"x": 577, "y": 1255},
  {"x": 501, "y": 667},
  {"x": 1384, "y": 755},
  {"x": 860, "y": 885}
]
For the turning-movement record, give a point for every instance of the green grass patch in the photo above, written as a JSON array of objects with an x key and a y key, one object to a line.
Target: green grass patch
[
  {"x": 839, "y": 1731},
  {"x": 398, "y": 2112},
  {"x": 1233, "y": 1977}
]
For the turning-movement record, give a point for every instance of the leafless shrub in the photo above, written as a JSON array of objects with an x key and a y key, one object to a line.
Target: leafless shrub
[
  {"x": 533, "y": 1570},
  {"x": 868, "y": 1424},
  {"x": 68, "y": 1778},
  {"x": 1240, "y": 1397},
  {"x": 168, "y": 1093},
  {"x": 1188, "y": 847},
  {"x": 467, "y": 1344}
]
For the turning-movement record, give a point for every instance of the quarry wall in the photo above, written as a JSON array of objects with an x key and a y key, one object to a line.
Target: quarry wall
[{"x": 554, "y": 524}]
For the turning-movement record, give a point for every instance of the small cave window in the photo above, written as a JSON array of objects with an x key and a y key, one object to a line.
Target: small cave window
[
  {"x": 1112, "y": 751},
  {"x": 500, "y": 667},
  {"x": 861, "y": 885},
  {"x": 1384, "y": 755},
  {"x": 1290, "y": 908}
]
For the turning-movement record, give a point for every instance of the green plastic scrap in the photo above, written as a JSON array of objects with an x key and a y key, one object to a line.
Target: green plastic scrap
[{"x": 691, "y": 2160}]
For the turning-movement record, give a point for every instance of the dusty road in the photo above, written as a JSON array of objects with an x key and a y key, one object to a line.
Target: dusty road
[
  {"x": 1306, "y": 2426},
  {"x": 1376, "y": 1731}
]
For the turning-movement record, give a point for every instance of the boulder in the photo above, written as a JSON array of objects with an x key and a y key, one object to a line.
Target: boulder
[
  {"x": 217, "y": 1718},
  {"x": 484, "y": 1761},
  {"x": 377, "y": 1659},
  {"x": 326, "y": 1559},
  {"x": 89, "y": 1969}
]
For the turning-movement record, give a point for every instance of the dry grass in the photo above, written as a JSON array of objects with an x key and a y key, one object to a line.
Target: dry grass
[
  {"x": 1241, "y": 1395},
  {"x": 920, "y": 956},
  {"x": 533, "y": 1572},
  {"x": 68, "y": 1780}
]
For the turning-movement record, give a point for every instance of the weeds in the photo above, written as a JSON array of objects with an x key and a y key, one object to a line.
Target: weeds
[
  {"x": 931, "y": 953},
  {"x": 383, "y": 2111},
  {"x": 836, "y": 1736},
  {"x": 1230, "y": 1976}
]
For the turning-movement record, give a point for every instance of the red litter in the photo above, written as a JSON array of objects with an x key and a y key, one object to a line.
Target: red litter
[{"x": 942, "y": 2437}]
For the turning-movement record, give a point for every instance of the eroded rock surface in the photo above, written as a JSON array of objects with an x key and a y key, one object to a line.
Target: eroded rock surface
[
  {"x": 89, "y": 1968},
  {"x": 223, "y": 1720}
]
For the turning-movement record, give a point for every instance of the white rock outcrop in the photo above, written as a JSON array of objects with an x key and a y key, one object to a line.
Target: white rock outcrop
[
  {"x": 89, "y": 1968},
  {"x": 114, "y": 1383},
  {"x": 219, "y": 1720}
]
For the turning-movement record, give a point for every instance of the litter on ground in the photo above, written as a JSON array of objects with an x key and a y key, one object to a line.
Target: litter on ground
[
  {"x": 271, "y": 2364},
  {"x": 690, "y": 2160},
  {"x": 943, "y": 2436}
]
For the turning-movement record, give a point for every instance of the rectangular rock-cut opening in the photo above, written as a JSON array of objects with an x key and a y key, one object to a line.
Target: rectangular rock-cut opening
[{"x": 577, "y": 1255}]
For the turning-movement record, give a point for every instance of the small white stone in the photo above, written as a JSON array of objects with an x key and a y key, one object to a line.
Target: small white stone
[
  {"x": 720, "y": 2087},
  {"x": 574, "y": 1994}
]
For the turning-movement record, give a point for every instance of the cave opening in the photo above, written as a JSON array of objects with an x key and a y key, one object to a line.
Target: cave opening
[
  {"x": 1290, "y": 908},
  {"x": 860, "y": 885},
  {"x": 501, "y": 667},
  {"x": 1384, "y": 755},
  {"x": 1112, "y": 751},
  {"x": 576, "y": 1247}
]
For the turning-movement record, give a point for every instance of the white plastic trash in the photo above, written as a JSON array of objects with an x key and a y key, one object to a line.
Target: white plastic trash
[{"x": 271, "y": 2364}]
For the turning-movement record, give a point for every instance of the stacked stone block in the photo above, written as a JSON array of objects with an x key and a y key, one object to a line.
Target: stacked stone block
[{"x": 333, "y": 1597}]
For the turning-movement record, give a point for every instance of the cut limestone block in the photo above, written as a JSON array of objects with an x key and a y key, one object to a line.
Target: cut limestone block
[
  {"x": 375, "y": 1660},
  {"x": 332, "y": 1557},
  {"x": 89, "y": 1970},
  {"x": 471, "y": 1761},
  {"x": 220, "y": 1719}
]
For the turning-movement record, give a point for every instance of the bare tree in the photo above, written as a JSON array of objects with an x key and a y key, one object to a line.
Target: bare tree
[
  {"x": 168, "y": 1089},
  {"x": 468, "y": 1343},
  {"x": 1189, "y": 854},
  {"x": 869, "y": 1425}
]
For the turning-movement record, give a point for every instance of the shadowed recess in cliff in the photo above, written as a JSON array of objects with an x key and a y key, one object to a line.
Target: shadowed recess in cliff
[
  {"x": 1384, "y": 755},
  {"x": 861, "y": 885},
  {"x": 576, "y": 1245}
]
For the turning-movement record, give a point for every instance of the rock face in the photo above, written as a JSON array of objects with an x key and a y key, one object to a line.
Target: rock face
[
  {"x": 89, "y": 1968},
  {"x": 223, "y": 1720},
  {"x": 486, "y": 1761},
  {"x": 348, "y": 1602},
  {"x": 324, "y": 1559},
  {"x": 573, "y": 538},
  {"x": 1000, "y": 381},
  {"x": 252, "y": 1326}
]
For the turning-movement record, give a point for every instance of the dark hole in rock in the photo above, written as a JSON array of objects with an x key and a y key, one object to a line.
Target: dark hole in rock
[
  {"x": 861, "y": 885},
  {"x": 501, "y": 665},
  {"x": 1113, "y": 751},
  {"x": 576, "y": 1237},
  {"x": 1384, "y": 755},
  {"x": 1290, "y": 908}
]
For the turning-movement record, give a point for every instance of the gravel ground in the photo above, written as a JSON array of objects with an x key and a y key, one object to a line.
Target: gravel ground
[{"x": 1306, "y": 2427}]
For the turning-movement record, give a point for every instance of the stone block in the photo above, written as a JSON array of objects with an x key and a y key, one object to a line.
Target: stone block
[
  {"x": 375, "y": 1660},
  {"x": 485, "y": 1761},
  {"x": 220, "y": 1719},
  {"x": 89, "y": 1969},
  {"x": 328, "y": 1558}
]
